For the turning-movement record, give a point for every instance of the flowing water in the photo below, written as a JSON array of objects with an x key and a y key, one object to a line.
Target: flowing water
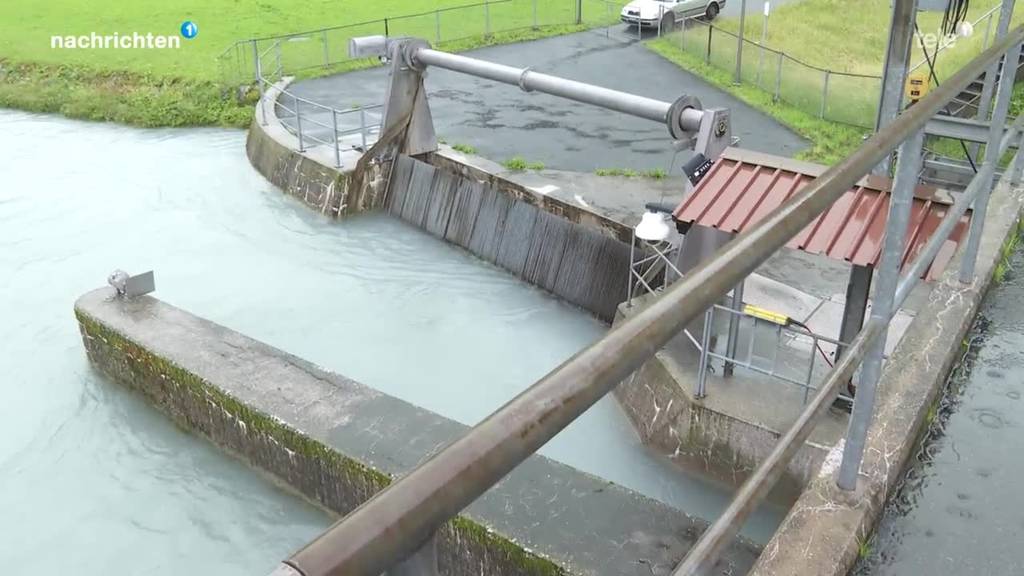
[
  {"x": 94, "y": 481},
  {"x": 958, "y": 509}
]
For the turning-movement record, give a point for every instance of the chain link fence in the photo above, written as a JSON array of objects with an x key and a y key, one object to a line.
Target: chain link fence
[
  {"x": 325, "y": 50},
  {"x": 828, "y": 94}
]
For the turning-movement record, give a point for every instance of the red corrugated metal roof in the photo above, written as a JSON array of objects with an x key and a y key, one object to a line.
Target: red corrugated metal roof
[{"x": 744, "y": 186}]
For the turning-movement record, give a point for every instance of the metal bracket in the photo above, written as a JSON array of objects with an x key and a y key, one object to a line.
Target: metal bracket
[{"x": 715, "y": 133}]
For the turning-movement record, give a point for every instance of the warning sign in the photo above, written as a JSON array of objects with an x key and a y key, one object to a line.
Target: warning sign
[{"x": 918, "y": 85}]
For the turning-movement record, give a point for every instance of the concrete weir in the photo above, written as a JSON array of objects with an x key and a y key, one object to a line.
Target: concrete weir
[{"x": 337, "y": 442}]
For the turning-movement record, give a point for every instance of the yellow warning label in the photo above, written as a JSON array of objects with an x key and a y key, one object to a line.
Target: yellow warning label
[
  {"x": 918, "y": 84},
  {"x": 761, "y": 313}
]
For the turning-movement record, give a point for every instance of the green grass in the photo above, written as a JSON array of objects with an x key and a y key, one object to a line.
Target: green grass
[
  {"x": 830, "y": 141},
  {"x": 519, "y": 164},
  {"x": 656, "y": 174},
  {"x": 185, "y": 86},
  {"x": 851, "y": 35},
  {"x": 842, "y": 36},
  {"x": 464, "y": 148}
]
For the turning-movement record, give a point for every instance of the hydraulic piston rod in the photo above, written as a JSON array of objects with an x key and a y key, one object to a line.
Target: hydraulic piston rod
[{"x": 682, "y": 117}]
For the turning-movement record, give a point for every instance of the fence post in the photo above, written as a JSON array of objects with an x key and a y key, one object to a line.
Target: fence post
[
  {"x": 256, "y": 63},
  {"x": 337, "y": 149},
  {"x": 888, "y": 277},
  {"x": 988, "y": 31},
  {"x": 778, "y": 78},
  {"x": 387, "y": 28},
  {"x": 579, "y": 12},
  {"x": 327, "y": 52},
  {"x": 707, "y": 56},
  {"x": 995, "y": 134},
  {"x": 705, "y": 342},
  {"x": 739, "y": 43},
  {"x": 298, "y": 122},
  {"x": 362, "y": 126},
  {"x": 437, "y": 26},
  {"x": 824, "y": 94}
]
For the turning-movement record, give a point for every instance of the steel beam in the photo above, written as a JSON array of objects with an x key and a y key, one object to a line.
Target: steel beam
[
  {"x": 996, "y": 133},
  {"x": 958, "y": 128},
  {"x": 682, "y": 117}
]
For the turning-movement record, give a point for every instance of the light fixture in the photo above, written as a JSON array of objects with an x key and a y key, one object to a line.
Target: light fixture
[{"x": 653, "y": 227}]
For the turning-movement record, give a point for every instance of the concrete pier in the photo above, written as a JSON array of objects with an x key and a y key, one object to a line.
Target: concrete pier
[{"x": 337, "y": 442}]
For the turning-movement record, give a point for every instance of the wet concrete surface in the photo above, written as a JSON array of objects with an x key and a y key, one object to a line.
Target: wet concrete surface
[
  {"x": 501, "y": 121},
  {"x": 958, "y": 509}
]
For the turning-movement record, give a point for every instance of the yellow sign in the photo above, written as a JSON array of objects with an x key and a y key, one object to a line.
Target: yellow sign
[
  {"x": 918, "y": 84},
  {"x": 773, "y": 317}
]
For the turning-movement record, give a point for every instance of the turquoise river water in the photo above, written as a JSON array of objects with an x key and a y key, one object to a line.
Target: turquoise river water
[{"x": 94, "y": 481}]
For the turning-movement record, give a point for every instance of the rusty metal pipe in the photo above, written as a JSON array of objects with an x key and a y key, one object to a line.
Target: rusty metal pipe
[{"x": 397, "y": 521}]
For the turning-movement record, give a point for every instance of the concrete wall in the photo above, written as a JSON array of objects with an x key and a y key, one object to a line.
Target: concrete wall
[
  {"x": 337, "y": 442},
  {"x": 310, "y": 176},
  {"x": 575, "y": 262}
]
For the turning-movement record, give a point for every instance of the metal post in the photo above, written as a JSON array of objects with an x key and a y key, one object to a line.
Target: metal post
[
  {"x": 579, "y": 12},
  {"x": 280, "y": 68},
  {"x": 534, "y": 14},
  {"x": 995, "y": 134},
  {"x": 707, "y": 56},
  {"x": 739, "y": 42},
  {"x": 988, "y": 32},
  {"x": 387, "y": 28},
  {"x": 1018, "y": 162},
  {"x": 734, "y": 328},
  {"x": 705, "y": 342},
  {"x": 337, "y": 149},
  {"x": 682, "y": 36},
  {"x": 988, "y": 86},
  {"x": 900, "y": 202},
  {"x": 256, "y": 62},
  {"x": 362, "y": 126},
  {"x": 764, "y": 40},
  {"x": 298, "y": 122},
  {"x": 327, "y": 52},
  {"x": 897, "y": 59},
  {"x": 778, "y": 78},
  {"x": 824, "y": 94},
  {"x": 487, "y": 18},
  {"x": 858, "y": 290}
]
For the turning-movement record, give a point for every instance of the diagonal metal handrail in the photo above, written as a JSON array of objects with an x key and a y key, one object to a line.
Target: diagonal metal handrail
[{"x": 396, "y": 522}]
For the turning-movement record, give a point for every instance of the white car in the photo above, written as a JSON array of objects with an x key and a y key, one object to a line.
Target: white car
[{"x": 665, "y": 13}]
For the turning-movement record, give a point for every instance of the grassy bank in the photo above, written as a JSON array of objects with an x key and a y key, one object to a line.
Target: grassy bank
[
  {"x": 183, "y": 86},
  {"x": 829, "y": 141},
  {"x": 851, "y": 35}
]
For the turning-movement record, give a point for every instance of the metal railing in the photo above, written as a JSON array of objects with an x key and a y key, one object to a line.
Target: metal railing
[
  {"x": 732, "y": 358},
  {"x": 396, "y": 528},
  {"x": 368, "y": 126},
  {"x": 652, "y": 268}
]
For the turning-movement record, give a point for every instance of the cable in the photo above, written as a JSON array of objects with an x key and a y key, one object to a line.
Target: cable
[{"x": 935, "y": 78}]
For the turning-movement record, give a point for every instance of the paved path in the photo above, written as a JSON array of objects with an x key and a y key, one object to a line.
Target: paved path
[{"x": 501, "y": 121}]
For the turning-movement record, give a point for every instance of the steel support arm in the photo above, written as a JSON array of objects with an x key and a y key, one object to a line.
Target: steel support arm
[{"x": 682, "y": 117}]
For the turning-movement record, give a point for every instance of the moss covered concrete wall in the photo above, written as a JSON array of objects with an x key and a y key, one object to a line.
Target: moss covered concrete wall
[{"x": 338, "y": 442}]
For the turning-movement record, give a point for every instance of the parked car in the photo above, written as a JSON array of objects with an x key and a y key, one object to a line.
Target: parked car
[{"x": 665, "y": 13}]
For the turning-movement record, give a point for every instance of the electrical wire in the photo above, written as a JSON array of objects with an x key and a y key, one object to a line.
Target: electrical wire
[{"x": 956, "y": 12}]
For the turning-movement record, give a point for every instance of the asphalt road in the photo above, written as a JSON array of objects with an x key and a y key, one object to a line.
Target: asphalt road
[{"x": 501, "y": 121}]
